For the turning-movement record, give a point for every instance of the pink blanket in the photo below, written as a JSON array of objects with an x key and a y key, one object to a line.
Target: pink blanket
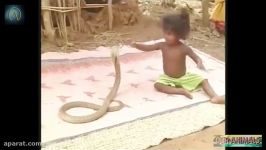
[{"x": 89, "y": 75}]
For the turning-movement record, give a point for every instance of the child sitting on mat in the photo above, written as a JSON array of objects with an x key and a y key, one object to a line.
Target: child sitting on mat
[{"x": 176, "y": 80}]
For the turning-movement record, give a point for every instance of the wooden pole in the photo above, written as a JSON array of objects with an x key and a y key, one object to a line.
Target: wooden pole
[
  {"x": 110, "y": 13},
  {"x": 47, "y": 21},
  {"x": 205, "y": 13},
  {"x": 79, "y": 15}
]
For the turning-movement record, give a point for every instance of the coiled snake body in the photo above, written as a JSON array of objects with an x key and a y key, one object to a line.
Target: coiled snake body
[{"x": 99, "y": 110}]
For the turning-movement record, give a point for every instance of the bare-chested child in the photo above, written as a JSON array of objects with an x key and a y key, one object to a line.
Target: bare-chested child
[{"x": 176, "y": 79}]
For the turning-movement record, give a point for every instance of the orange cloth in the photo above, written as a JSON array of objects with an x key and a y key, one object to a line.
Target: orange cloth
[{"x": 218, "y": 14}]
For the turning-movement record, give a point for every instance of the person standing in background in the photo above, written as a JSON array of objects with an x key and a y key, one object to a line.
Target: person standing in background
[{"x": 218, "y": 16}]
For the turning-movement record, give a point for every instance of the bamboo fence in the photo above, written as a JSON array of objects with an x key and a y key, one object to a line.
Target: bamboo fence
[{"x": 58, "y": 13}]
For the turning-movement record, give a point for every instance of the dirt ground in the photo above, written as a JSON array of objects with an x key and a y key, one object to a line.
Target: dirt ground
[
  {"x": 202, "y": 140},
  {"x": 148, "y": 29}
]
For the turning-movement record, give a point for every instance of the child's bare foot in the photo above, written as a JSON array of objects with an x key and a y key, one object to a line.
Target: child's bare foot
[
  {"x": 218, "y": 100},
  {"x": 187, "y": 94}
]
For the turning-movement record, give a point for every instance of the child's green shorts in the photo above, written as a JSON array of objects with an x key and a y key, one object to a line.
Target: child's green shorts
[{"x": 189, "y": 81}]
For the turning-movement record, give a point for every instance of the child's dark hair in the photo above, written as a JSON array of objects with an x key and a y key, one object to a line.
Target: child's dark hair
[{"x": 178, "y": 23}]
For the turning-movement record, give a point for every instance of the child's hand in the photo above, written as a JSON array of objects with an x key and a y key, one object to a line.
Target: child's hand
[{"x": 201, "y": 66}]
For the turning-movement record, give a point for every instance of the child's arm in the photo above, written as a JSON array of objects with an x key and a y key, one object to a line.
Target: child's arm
[
  {"x": 195, "y": 58},
  {"x": 145, "y": 47}
]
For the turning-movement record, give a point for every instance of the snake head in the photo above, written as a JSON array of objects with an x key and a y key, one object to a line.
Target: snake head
[{"x": 114, "y": 53}]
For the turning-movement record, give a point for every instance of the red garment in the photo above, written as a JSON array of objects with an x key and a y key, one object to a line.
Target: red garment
[{"x": 220, "y": 27}]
